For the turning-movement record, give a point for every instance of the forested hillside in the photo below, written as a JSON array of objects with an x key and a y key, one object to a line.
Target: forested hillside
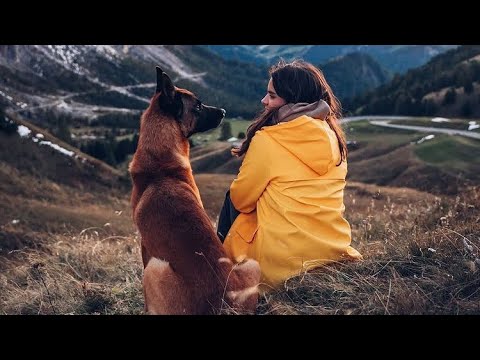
[{"x": 448, "y": 85}]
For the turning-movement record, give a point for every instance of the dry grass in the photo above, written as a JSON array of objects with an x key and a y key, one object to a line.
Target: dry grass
[
  {"x": 31, "y": 222},
  {"x": 83, "y": 273},
  {"x": 68, "y": 244},
  {"x": 422, "y": 256}
]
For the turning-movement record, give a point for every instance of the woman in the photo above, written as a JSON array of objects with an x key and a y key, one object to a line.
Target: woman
[{"x": 288, "y": 194}]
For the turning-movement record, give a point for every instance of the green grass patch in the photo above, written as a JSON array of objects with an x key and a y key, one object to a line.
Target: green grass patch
[
  {"x": 214, "y": 134},
  {"x": 450, "y": 152},
  {"x": 457, "y": 124},
  {"x": 374, "y": 140},
  {"x": 364, "y": 127},
  {"x": 387, "y": 139}
]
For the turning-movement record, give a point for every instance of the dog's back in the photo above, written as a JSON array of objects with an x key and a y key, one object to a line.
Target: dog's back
[{"x": 186, "y": 268}]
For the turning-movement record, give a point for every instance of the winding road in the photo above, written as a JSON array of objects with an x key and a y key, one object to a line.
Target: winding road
[{"x": 384, "y": 121}]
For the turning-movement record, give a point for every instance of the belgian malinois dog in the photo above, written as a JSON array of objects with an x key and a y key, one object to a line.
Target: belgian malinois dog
[{"x": 186, "y": 270}]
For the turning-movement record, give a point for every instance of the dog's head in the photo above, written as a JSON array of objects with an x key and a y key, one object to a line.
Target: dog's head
[{"x": 192, "y": 115}]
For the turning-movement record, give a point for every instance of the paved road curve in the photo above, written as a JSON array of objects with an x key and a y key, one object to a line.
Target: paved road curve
[{"x": 383, "y": 121}]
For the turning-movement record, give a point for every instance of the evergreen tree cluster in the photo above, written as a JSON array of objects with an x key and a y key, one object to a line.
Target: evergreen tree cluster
[
  {"x": 6, "y": 125},
  {"x": 118, "y": 120},
  {"x": 109, "y": 149},
  {"x": 62, "y": 128},
  {"x": 404, "y": 95}
]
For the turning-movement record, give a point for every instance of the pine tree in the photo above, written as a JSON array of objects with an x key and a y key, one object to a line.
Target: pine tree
[
  {"x": 226, "y": 131},
  {"x": 468, "y": 88},
  {"x": 430, "y": 108},
  {"x": 450, "y": 97},
  {"x": 6, "y": 125},
  {"x": 466, "y": 109},
  {"x": 62, "y": 130},
  {"x": 122, "y": 149}
]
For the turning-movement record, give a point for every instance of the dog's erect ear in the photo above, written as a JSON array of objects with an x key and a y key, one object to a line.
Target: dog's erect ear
[
  {"x": 159, "y": 79},
  {"x": 165, "y": 85},
  {"x": 168, "y": 88}
]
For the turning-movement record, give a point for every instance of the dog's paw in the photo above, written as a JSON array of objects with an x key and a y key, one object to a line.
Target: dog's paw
[{"x": 240, "y": 296}]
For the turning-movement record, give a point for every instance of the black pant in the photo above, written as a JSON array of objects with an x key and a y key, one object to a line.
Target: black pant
[{"x": 228, "y": 214}]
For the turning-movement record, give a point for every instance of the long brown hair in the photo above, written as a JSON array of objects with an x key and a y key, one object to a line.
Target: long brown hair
[{"x": 295, "y": 82}]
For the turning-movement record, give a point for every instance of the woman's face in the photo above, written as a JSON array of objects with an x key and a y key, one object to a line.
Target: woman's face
[{"x": 272, "y": 100}]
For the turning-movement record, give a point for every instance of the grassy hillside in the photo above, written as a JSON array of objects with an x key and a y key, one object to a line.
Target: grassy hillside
[
  {"x": 43, "y": 190},
  {"x": 384, "y": 156},
  {"x": 68, "y": 244},
  {"x": 454, "y": 154},
  {"x": 445, "y": 164},
  {"x": 62, "y": 219},
  {"x": 420, "y": 257}
]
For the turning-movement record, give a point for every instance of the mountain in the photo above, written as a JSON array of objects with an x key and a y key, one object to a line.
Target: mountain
[
  {"x": 92, "y": 96},
  {"x": 259, "y": 54},
  {"x": 400, "y": 58},
  {"x": 95, "y": 82},
  {"x": 395, "y": 58},
  {"x": 88, "y": 81},
  {"x": 352, "y": 74},
  {"x": 448, "y": 85}
]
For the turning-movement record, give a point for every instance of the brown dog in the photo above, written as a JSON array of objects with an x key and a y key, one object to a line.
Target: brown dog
[{"x": 186, "y": 270}]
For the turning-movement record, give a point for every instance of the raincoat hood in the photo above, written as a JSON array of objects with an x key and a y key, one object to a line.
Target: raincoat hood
[
  {"x": 318, "y": 110},
  {"x": 313, "y": 142}
]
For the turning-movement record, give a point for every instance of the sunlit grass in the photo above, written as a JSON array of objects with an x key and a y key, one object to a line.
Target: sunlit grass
[
  {"x": 449, "y": 151},
  {"x": 213, "y": 135}
]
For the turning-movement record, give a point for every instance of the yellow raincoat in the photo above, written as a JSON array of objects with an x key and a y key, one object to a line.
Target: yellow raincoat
[{"x": 290, "y": 195}]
